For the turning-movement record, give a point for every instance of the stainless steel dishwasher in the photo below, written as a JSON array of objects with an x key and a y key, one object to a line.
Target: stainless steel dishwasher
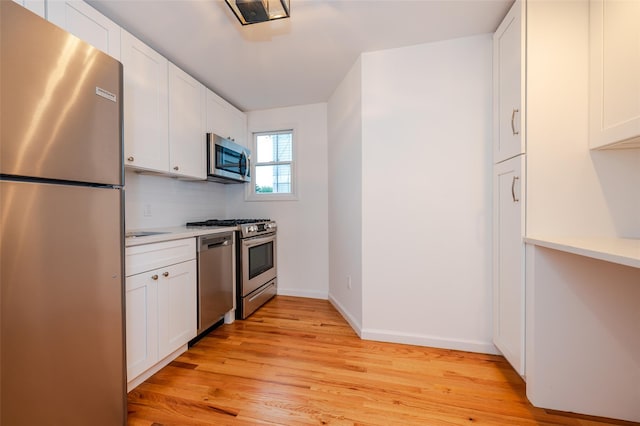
[{"x": 215, "y": 278}]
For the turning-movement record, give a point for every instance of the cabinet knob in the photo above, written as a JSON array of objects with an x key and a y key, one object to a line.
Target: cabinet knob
[
  {"x": 165, "y": 274},
  {"x": 176, "y": 168},
  {"x": 129, "y": 158},
  {"x": 154, "y": 277}
]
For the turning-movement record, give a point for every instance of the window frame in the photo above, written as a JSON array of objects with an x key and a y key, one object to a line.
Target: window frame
[{"x": 250, "y": 189}]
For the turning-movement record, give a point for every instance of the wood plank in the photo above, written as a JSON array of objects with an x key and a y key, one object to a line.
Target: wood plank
[{"x": 297, "y": 362}]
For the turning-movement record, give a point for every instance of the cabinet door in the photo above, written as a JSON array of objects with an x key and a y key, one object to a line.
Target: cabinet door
[
  {"x": 508, "y": 260},
  {"x": 86, "y": 23},
  {"x": 239, "y": 127},
  {"x": 187, "y": 140},
  {"x": 508, "y": 63},
  {"x": 225, "y": 120},
  {"x": 614, "y": 100},
  {"x": 142, "y": 322},
  {"x": 36, "y": 6},
  {"x": 177, "y": 320},
  {"x": 146, "y": 132}
]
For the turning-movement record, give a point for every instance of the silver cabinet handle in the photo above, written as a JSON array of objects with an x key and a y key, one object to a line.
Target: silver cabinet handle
[
  {"x": 129, "y": 158},
  {"x": 154, "y": 277},
  {"x": 513, "y": 189},
  {"x": 165, "y": 274},
  {"x": 513, "y": 118}
]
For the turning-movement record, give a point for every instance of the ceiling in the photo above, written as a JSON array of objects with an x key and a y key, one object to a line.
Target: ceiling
[{"x": 293, "y": 61}]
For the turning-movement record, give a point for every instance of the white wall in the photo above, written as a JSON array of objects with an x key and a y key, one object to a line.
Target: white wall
[
  {"x": 158, "y": 201},
  {"x": 426, "y": 202},
  {"x": 426, "y": 194},
  {"x": 302, "y": 224},
  {"x": 345, "y": 196}
]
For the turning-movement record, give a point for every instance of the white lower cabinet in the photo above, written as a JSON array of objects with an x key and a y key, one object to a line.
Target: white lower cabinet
[
  {"x": 508, "y": 261},
  {"x": 161, "y": 305}
]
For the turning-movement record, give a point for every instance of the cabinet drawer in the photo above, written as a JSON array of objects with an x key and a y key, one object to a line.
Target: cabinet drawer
[{"x": 152, "y": 256}]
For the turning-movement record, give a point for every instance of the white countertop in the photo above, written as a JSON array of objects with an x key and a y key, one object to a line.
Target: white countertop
[
  {"x": 173, "y": 233},
  {"x": 624, "y": 251}
]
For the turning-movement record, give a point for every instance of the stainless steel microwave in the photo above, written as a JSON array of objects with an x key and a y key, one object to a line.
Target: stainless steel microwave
[{"x": 227, "y": 162}]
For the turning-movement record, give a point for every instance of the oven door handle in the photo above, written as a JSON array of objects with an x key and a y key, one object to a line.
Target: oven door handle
[{"x": 256, "y": 241}]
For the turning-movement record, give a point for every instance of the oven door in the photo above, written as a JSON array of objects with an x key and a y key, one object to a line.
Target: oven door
[{"x": 258, "y": 262}]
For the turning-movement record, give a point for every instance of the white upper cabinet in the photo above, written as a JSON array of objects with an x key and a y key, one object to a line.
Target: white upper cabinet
[
  {"x": 146, "y": 116},
  {"x": 187, "y": 140},
  {"x": 508, "y": 79},
  {"x": 614, "y": 74},
  {"x": 36, "y": 6},
  {"x": 225, "y": 120},
  {"x": 86, "y": 23}
]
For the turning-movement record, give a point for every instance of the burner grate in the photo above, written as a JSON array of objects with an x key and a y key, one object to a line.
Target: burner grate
[{"x": 226, "y": 222}]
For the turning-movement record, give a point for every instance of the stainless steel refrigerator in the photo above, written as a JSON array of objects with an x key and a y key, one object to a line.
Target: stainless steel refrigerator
[{"x": 62, "y": 355}]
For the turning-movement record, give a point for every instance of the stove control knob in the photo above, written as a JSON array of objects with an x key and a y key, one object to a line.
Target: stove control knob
[{"x": 252, "y": 228}]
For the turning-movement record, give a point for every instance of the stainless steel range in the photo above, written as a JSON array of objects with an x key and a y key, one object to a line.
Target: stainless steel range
[{"x": 256, "y": 261}]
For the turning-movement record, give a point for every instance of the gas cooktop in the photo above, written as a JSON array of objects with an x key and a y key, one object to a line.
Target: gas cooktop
[{"x": 227, "y": 222}]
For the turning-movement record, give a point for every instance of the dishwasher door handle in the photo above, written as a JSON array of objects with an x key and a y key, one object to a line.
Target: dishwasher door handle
[
  {"x": 214, "y": 241},
  {"x": 220, "y": 244}
]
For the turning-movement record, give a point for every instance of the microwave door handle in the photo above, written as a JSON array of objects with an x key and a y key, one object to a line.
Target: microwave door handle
[{"x": 248, "y": 168}]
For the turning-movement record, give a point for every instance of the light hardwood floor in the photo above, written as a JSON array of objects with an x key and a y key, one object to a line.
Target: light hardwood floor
[{"x": 297, "y": 362}]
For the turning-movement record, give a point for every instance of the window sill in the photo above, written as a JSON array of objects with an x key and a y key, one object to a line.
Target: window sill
[{"x": 271, "y": 197}]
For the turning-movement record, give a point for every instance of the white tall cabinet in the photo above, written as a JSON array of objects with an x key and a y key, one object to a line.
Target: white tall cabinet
[
  {"x": 508, "y": 187},
  {"x": 508, "y": 270},
  {"x": 508, "y": 74},
  {"x": 86, "y": 23}
]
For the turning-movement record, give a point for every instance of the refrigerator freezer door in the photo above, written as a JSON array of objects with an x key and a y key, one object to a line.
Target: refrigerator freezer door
[
  {"x": 61, "y": 103},
  {"x": 62, "y": 328}
]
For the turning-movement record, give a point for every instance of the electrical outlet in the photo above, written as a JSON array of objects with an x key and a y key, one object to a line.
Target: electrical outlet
[
  {"x": 147, "y": 210},
  {"x": 349, "y": 282}
]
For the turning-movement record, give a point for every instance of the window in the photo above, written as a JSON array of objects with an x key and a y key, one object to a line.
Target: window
[{"x": 273, "y": 167}]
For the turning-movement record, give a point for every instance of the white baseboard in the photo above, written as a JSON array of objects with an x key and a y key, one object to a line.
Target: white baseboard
[
  {"x": 311, "y": 294},
  {"x": 347, "y": 316},
  {"x": 393, "y": 336}
]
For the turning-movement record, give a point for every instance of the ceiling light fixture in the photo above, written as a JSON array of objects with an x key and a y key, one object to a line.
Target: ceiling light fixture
[{"x": 255, "y": 11}]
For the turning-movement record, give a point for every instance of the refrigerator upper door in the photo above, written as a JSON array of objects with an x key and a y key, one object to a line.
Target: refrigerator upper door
[
  {"x": 61, "y": 103},
  {"x": 62, "y": 329}
]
